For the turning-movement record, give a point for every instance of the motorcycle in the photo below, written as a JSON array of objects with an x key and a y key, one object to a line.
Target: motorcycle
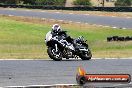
[{"x": 59, "y": 47}]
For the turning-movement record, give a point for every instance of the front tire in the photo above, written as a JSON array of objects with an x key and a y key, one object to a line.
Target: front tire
[
  {"x": 86, "y": 55},
  {"x": 56, "y": 56}
]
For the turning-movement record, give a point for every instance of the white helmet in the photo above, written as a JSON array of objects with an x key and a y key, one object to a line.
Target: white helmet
[{"x": 56, "y": 28}]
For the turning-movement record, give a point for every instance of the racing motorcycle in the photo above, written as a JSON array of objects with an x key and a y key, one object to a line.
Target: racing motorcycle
[{"x": 59, "y": 47}]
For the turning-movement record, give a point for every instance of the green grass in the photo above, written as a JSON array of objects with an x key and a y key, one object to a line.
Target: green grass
[{"x": 20, "y": 39}]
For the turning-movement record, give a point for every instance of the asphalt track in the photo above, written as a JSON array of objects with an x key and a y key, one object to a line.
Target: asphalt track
[
  {"x": 47, "y": 72},
  {"x": 118, "y": 22}
]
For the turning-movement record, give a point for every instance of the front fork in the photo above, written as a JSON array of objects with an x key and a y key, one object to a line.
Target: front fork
[{"x": 56, "y": 48}]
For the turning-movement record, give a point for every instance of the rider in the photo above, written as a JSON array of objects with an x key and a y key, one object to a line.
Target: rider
[{"x": 56, "y": 31}]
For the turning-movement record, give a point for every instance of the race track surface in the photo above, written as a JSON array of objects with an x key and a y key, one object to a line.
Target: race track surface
[
  {"x": 118, "y": 22},
  {"x": 46, "y": 72}
]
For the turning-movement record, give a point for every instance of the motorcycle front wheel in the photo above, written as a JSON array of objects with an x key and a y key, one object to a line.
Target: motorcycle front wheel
[
  {"x": 86, "y": 56},
  {"x": 56, "y": 56}
]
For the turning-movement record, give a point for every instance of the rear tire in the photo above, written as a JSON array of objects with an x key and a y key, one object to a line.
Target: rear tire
[
  {"x": 86, "y": 56},
  {"x": 53, "y": 55}
]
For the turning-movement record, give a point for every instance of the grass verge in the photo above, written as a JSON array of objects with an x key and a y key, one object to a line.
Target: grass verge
[{"x": 23, "y": 38}]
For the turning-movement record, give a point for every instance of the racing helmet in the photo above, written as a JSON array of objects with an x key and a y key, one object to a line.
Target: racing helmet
[{"x": 56, "y": 28}]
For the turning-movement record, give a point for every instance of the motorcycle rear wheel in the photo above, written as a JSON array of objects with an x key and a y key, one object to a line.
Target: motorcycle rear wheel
[{"x": 56, "y": 56}]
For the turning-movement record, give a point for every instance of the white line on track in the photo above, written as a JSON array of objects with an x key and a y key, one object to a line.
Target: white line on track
[
  {"x": 52, "y": 19},
  {"x": 43, "y": 18},
  {"x": 63, "y": 59},
  {"x": 114, "y": 27},
  {"x": 53, "y": 85},
  {"x": 11, "y": 9},
  {"x": 124, "y": 28},
  {"x": 99, "y": 25},
  {"x": 42, "y": 11},
  {"x": 70, "y": 21},
  {"x": 33, "y": 59},
  {"x": 113, "y": 16},
  {"x": 28, "y": 10},
  {"x": 128, "y": 17},
  {"x": 57, "y": 12},
  {"x": 106, "y": 26},
  {"x": 60, "y": 20},
  {"x": 100, "y": 15},
  {"x": 86, "y": 14},
  {"x": 13, "y": 87},
  {"x": 78, "y": 22},
  {"x": 10, "y": 15},
  {"x": 70, "y": 13}
]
